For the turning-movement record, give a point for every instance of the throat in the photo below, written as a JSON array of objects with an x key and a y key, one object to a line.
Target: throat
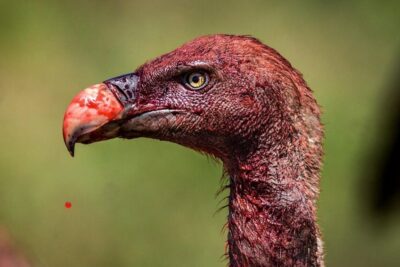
[{"x": 272, "y": 213}]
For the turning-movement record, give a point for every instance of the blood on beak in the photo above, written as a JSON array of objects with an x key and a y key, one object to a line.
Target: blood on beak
[{"x": 88, "y": 115}]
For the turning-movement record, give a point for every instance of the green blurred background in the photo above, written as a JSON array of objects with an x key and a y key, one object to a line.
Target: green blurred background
[{"x": 152, "y": 203}]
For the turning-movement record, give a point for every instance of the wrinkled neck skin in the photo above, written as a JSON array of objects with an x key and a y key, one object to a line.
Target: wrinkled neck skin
[{"x": 272, "y": 212}]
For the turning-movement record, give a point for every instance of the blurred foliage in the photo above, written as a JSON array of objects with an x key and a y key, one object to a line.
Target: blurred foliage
[{"x": 151, "y": 203}]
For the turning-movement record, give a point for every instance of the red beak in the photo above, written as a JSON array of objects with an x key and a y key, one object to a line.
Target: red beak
[{"x": 91, "y": 116}]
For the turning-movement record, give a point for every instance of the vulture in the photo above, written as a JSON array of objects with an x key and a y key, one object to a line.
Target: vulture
[{"x": 238, "y": 100}]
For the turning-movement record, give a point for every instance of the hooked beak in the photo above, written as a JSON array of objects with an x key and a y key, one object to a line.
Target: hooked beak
[{"x": 95, "y": 113}]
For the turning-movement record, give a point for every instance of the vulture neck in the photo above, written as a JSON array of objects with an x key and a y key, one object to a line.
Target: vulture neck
[{"x": 272, "y": 213}]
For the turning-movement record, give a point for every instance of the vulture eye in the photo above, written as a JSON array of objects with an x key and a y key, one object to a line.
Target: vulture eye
[{"x": 196, "y": 80}]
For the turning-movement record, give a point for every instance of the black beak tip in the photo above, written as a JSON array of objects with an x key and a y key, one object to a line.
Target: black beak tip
[
  {"x": 72, "y": 151},
  {"x": 71, "y": 147}
]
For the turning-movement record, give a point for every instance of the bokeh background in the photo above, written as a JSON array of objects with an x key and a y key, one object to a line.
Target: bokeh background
[{"x": 152, "y": 203}]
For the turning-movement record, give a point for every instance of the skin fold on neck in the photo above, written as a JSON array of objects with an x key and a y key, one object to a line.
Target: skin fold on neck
[{"x": 272, "y": 205}]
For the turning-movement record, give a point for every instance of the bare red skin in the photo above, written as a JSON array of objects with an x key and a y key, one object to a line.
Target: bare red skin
[{"x": 260, "y": 118}]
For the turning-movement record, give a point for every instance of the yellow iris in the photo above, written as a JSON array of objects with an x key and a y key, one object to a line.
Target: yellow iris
[{"x": 196, "y": 80}]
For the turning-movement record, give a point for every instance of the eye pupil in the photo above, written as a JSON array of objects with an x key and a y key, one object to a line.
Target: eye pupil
[{"x": 195, "y": 79}]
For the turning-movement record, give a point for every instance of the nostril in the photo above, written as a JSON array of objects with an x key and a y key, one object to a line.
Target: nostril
[
  {"x": 124, "y": 86},
  {"x": 118, "y": 92},
  {"x": 121, "y": 90}
]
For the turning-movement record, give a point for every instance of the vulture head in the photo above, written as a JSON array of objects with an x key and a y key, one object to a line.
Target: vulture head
[{"x": 239, "y": 100}]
